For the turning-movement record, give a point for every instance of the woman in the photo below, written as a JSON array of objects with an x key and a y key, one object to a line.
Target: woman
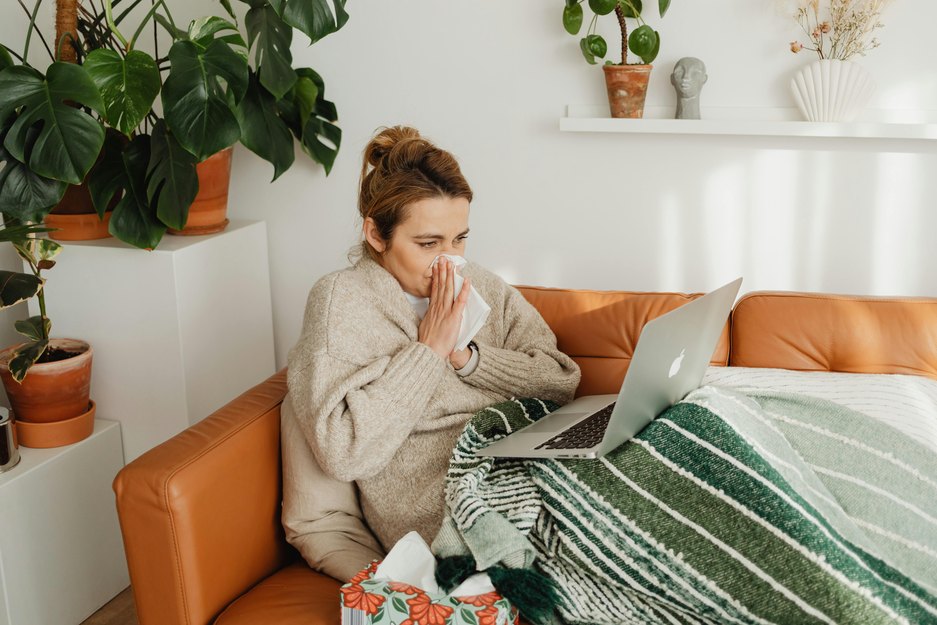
[{"x": 378, "y": 394}]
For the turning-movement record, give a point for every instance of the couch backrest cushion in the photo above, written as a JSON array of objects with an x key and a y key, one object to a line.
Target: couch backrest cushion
[
  {"x": 599, "y": 329},
  {"x": 817, "y": 332}
]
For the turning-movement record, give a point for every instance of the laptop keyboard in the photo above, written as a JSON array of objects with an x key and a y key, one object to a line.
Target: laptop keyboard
[{"x": 586, "y": 434}]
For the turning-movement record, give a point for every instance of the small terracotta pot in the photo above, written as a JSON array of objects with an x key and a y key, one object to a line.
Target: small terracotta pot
[
  {"x": 627, "y": 89},
  {"x": 57, "y": 433},
  {"x": 209, "y": 210},
  {"x": 51, "y": 391},
  {"x": 76, "y": 218}
]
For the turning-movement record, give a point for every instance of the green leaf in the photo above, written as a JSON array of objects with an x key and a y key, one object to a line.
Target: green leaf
[
  {"x": 172, "y": 180},
  {"x": 597, "y": 45},
  {"x": 69, "y": 139},
  {"x": 202, "y": 31},
  {"x": 5, "y": 59},
  {"x": 20, "y": 233},
  {"x": 35, "y": 328},
  {"x": 663, "y": 5},
  {"x": 631, "y": 8},
  {"x": 226, "y": 4},
  {"x": 46, "y": 249},
  {"x": 399, "y": 604},
  {"x": 262, "y": 130},
  {"x": 318, "y": 136},
  {"x": 314, "y": 17},
  {"x": 133, "y": 220},
  {"x": 25, "y": 357},
  {"x": 17, "y": 287},
  {"x": 196, "y": 109},
  {"x": 107, "y": 178},
  {"x": 24, "y": 194},
  {"x": 586, "y": 52},
  {"x": 644, "y": 42},
  {"x": 272, "y": 55},
  {"x": 603, "y": 7},
  {"x": 305, "y": 93},
  {"x": 572, "y": 18},
  {"x": 128, "y": 85}
]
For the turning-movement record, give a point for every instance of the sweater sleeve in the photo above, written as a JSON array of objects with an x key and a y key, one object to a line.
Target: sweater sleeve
[
  {"x": 357, "y": 417},
  {"x": 527, "y": 363}
]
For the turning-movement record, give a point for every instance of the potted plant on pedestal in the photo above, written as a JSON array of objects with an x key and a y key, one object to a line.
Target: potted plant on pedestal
[
  {"x": 51, "y": 404},
  {"x": 142, "y": 165},
  {"x": 626, "y": 83}
]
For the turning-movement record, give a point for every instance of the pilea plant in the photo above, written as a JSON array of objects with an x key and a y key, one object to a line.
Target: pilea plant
[{"x": 643, "y": 41}]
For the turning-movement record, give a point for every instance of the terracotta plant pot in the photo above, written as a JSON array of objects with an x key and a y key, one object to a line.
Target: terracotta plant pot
[
  {"x": 627, "y": 89},
  {"x": 57, "y": 433},
  {"x": 51, "y": 391},
  {"x": 75, "y": 217},
  {"x": 209, "y": 210}
]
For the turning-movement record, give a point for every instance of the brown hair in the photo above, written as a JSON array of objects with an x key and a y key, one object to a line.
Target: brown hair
[{"x": 404, "y": 168}]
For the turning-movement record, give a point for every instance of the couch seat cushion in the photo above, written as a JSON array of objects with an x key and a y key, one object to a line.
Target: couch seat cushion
[{"x": 294, "y": 595}]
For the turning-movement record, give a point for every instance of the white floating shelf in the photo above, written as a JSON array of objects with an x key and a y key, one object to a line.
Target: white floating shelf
[{"x": 902, "y": 125}]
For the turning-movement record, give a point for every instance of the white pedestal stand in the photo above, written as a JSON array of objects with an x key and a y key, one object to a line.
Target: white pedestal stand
[
  {"x": 61, "y": 554},
  {"x": 176, "y": 332}
]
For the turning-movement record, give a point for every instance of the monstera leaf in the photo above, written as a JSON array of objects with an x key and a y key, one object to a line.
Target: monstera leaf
[
  {"x": 5, "y": 59},
  {"x": 313, "y": 17},
  {"x": 24, "y": 194},
  {"x": 128, "y": 86},
  {"x": 124, "y": 169},
  {"x": 172, "y": 181},
  {"x": 270, "y": 37},
  {"x": 204, "y": 70},
  {"x": 69, "y": 139},
  {"x": 262, "y": 130},
  {"x": 309, "y": 117}
]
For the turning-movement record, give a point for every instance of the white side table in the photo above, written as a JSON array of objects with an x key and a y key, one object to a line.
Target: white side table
[
  {"x": 61, "y": 554},
  {"x": 177, "y": 332}
]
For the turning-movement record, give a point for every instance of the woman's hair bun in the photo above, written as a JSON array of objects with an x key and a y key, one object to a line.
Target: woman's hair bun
[{"x": 401, "y": 141}]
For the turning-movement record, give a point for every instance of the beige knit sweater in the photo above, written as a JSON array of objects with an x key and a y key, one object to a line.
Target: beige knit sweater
[{"x": 380, "y": 408}]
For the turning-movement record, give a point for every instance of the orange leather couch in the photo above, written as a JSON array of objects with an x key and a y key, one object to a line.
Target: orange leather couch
[{"x": 200, "y": 514}]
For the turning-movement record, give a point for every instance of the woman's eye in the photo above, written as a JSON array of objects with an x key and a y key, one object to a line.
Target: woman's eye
[
  {"x": 461, "y": 240},
  {"x": 428, "y": 244}
]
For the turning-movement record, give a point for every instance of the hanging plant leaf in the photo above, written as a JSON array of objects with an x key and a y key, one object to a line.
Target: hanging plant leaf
[
  {"x": 262, "y": 130},
  {"x": 69, "y": 139},
  {"x": 133, "y": 221},
  {"x": 270, "y": 37},
  {"x": 194, "y": 100},
  {"x": 24, "y": 194},
  {"x": 602, "y": 7},
  {"x": 586, "y": 51},
  {"x": 313, "y": 17},
  {"x": 572, "y": 18},
  {"x": 663, "y": 5},
  {"x": 25, "y": 357},
  {"x": 644, "y": 42},
  {"x": 172, "y": 180},
  {"x": 17, "y": 287},
  {"x": 128, "y": 86}
]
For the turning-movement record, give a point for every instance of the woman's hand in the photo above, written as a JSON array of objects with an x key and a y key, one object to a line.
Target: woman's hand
[{"x": 440, "y": 327}]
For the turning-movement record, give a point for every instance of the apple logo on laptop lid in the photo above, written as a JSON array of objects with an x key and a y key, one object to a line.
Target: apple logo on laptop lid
[{"x": 676, "y": 364}]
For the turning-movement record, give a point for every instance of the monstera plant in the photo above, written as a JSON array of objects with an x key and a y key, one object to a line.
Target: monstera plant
[{"x": 93, "y": 120}]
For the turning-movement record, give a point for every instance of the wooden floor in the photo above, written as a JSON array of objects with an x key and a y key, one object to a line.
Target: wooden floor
[{"x": 119, "y": 611}]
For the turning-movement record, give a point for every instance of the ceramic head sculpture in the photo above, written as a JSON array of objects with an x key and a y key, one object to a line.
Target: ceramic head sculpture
[{"x": 688, "y": 78}]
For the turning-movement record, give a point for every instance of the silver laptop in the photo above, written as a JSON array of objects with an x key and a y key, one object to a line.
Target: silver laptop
[{"x": 669, "y": 361}]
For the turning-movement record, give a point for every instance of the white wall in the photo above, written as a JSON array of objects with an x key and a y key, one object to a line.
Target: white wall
[{"x": 489, "y": 81}]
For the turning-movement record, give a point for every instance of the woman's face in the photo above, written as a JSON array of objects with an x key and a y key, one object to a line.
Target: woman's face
[{"x": 433, "y": 226}]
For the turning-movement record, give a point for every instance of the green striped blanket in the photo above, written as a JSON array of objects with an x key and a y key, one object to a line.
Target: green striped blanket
[{"x": 759, "y": 507}]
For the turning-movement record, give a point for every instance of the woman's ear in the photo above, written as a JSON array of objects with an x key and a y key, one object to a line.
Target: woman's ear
[{"x": 373, "y": 236}]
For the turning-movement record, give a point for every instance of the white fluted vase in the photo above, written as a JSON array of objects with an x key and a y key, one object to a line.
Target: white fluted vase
[{"x": 829, "y": 90}]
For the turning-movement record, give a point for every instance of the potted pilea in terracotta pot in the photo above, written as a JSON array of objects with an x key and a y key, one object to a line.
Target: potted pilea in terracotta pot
[
  {"x": 47, "y": 380},
  {"x": 626, "y": 83}
]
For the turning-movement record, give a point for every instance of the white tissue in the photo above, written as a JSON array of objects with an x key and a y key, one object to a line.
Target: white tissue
[
  {"x": 476, "y": 310},
  {"x": 411, "y": 562}
]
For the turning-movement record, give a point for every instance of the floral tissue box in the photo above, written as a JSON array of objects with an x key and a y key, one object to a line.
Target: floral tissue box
[{"x": 368, "y": 601}]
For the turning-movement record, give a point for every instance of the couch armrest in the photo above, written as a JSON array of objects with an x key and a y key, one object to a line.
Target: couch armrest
[{"x": 200, "y": 513}]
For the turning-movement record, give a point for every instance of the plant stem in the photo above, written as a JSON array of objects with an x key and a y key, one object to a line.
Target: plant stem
[
  {"x": 109, "y": 12},
  {"x": 624, "y": 33},
  {"x": 29, "y": 32},
  {"x": 42, "y": 311}
]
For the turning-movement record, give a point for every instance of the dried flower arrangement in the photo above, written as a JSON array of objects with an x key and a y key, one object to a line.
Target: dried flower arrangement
[{"x": 846, "y": 31}]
